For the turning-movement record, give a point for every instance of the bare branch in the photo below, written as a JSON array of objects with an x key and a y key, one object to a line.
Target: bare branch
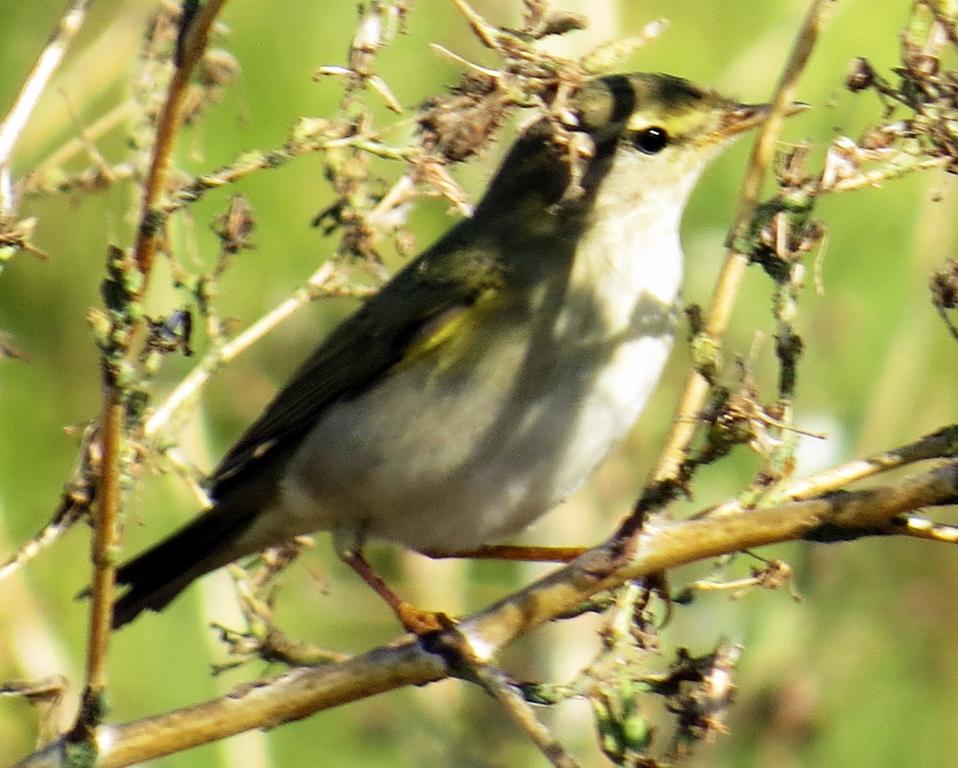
[
  {"x": 942, "y": 444},
  {"x": 662, "y": 544},
  {"x": 521, "y": 713}
]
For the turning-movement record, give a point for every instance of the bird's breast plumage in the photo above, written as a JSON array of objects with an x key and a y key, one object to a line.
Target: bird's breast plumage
[{"x": 442, "y": 456}]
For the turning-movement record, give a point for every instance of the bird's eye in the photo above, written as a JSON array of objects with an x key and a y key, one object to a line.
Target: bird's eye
[{"x": 652, "y": 140}]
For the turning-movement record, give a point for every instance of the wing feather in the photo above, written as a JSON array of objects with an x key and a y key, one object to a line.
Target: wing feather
[{"x": 366, "y": 346}]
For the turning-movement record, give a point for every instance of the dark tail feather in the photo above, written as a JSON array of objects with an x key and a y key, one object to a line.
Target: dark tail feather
[{"x": 161, "y": 573}]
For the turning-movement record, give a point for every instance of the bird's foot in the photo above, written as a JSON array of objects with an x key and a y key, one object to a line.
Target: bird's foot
[
  {"x": 421, "y": 622},
  {"x": 348, "y": 544}
]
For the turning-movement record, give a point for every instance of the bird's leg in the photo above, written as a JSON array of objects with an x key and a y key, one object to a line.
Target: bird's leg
[
  {"x": 517, "y": 553},
  {"x": 348, "y": 540}
]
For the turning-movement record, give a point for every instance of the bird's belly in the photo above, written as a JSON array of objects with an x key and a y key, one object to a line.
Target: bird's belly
[{"x": 441, "y": 461}]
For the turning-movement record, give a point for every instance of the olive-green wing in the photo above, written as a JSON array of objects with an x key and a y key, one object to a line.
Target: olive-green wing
[{"x": 365, "y": 347}]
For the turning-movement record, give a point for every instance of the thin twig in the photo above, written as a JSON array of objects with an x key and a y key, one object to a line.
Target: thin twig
[
  {"x": 191, "y": 48},
  {"x": 58, "y": 158},
  {"x": 74, "y": 503},
  {"x": 90, "y": 179},
  {"x": 919, "y": 527},
  {"x": 726, "y": 290},
  {"x": 875, "y": 177},
  {"x": 46, "y": 695},
  {"x": 33, "y": 87},
  {"x": 521, "y": 713},
  {"x": 316, "y": 285},
  {"x": 63, "y": 520},
  {"x": 942, "y": 444},
  {"x": 251, "y": 162}
]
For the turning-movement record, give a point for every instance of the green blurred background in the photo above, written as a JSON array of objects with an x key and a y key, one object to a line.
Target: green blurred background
[{"x": 863, "y": 672}]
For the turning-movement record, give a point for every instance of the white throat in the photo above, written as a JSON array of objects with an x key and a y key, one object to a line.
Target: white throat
[{"x": 631, "y": 253}]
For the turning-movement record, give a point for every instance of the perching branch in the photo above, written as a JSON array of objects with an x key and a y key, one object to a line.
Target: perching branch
[{"x": 661, "y": 545}]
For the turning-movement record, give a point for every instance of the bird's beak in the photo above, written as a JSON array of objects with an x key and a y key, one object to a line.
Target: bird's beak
[{"x": 742, "y": 117}]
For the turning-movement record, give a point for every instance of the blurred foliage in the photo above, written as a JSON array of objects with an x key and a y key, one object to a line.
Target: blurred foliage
[{"x": 857, "y": 674}]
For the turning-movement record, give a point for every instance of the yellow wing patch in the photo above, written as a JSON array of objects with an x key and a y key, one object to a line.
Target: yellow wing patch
[{"x": 445, "y": 337}]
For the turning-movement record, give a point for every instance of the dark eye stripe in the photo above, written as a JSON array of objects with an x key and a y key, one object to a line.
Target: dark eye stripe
[{"x": 623, "y": 97}]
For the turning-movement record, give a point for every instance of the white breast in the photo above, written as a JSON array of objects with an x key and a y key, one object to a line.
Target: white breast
[{"x": 449, "y": 460}]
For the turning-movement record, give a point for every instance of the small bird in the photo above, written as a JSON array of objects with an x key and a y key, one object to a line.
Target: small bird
[{"x": 487, "y": 380}]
